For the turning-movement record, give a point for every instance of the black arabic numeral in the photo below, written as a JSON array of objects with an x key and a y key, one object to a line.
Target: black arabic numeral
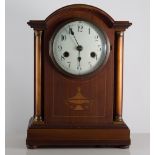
[
  {"x": 70, "y": 30},
  {"x": 90, "y": 64},
  {"x": 80, "y": 28},
  {"x": 100, "y": 48},
  {"x": 96, "y": 38},
  {"x": 59, "y": 47},
  {"x": 79, "y": 68},
  {"x": 69, "y": 64},
  {"x": 62, "y": 58},
  {"x": 89, "y": 30},
  {"x": 63, "y": 37}
]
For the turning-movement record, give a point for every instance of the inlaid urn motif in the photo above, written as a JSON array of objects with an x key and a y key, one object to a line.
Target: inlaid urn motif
[{"x": 78, "y": 102}]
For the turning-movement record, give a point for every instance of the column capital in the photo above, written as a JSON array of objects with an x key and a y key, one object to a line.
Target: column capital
[
  {"x": 38, "y": 32},
  {"x": 120, "y": 33}
]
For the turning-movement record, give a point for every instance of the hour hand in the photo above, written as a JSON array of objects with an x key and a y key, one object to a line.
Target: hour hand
[
  {"x": 79, "y": 47},
  {"x": 79, "y": 59}
]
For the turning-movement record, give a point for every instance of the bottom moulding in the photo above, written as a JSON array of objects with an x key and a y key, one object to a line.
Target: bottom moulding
[{"x": 115, "y": 136}]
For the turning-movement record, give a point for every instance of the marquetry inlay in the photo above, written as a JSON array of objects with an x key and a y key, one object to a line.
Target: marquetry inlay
[{"x": 78, "y": 101}]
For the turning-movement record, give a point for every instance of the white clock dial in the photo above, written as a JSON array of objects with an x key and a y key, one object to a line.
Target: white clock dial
[{"x": 79, "y": 47}]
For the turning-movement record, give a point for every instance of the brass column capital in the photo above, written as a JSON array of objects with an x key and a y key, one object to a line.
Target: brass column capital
[
  {"x": 38, "y": 33},
  {"x": 120, "y": 33}
]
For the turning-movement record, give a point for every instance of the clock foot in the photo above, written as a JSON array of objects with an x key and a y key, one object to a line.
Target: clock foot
[
  {"x": 32, "y": 146},
  {"x": 123, "y": 146},
  {"x": 112, "y": 146}
]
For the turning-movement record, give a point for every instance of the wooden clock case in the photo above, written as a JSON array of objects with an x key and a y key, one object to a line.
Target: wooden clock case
[{"x": 71, "y": 110}]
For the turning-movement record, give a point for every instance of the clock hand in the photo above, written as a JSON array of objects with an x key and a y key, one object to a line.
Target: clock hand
[
  {"x": 69, "y": 35},
  {"x": 72, "y": 33},
  {"x": 79, "y": 59},
  {"x": 79, "y": 47}
]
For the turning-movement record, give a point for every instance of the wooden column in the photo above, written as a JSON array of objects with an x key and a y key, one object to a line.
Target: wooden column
[
  {"x": 37, "y": 76},
  {"x": 119, "y": 75}
]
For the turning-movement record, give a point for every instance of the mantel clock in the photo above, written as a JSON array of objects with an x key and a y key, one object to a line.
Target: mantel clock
[{"x": 78, "y": 79}]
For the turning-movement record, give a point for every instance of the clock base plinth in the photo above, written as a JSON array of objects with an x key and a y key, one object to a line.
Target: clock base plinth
[{"x": 113, "y": 135}]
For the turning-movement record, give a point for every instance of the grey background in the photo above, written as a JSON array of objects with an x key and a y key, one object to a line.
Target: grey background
[{"x": 19, "y": 58}]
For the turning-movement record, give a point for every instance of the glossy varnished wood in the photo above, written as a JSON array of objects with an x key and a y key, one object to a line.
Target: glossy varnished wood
[
  {"x": 112, "y": 135},
  {"x": 101, "y": 122},
  {"x": 59, "y": 87}
]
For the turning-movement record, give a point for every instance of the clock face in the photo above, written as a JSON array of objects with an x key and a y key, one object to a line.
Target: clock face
[{"x": 79, "y": 48}]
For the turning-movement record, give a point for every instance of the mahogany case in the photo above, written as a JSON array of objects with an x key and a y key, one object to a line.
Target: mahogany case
[{"x": 78, "y": 111}]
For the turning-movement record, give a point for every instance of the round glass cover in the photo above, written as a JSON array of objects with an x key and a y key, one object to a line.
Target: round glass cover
[{"x": 79, "y": 47}]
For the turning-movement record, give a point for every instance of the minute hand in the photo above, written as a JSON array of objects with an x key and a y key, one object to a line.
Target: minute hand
[{"x": 72, "y": 33}]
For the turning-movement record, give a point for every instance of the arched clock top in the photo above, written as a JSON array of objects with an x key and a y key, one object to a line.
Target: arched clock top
[
  {"x": 69, "y": 12},
  {"x": 87, "y": 9}
]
